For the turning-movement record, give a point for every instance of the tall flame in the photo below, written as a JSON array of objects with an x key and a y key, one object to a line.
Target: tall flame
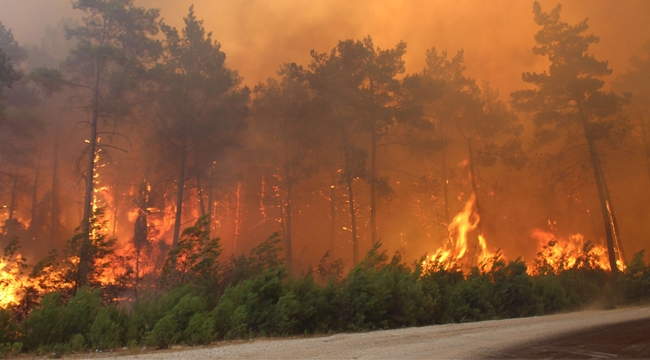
[{"x": 455, "y": 250}]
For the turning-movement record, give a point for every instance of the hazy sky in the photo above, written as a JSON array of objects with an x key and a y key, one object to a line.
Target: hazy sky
[{"x": 259, "y": 35}]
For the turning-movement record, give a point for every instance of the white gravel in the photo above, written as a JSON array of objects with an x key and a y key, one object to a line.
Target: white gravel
[{"x": 455, "y": 341}]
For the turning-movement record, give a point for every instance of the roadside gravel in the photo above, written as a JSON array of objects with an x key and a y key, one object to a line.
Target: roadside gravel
[{"x": 457, "y": 341}]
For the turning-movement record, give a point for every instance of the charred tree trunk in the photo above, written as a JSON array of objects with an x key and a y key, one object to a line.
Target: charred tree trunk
[
  {"x": 289, "y": 182},
  {"x": 85, "y": 256},
  {"x": 353, "y": 223},
  {"x": 54, "y": 220},
  {"x": 33, "y": 224},
  {"x": 179, "y": 194},
  {"x": 445, "y": 188},
  {"x": 116, "y": 207},
  {"x": 353, "y": 214},
  {"x": 199, "y": 194},
  {"x": 332, "y": 217},
  {"x": 373, "y": 166},
  {"x": 288, "y": 217},
  {"x": 472, "y": 175},
  {"x": 373, "y": 186},
  {"x": 14, "y": 195},
  {"x": 612, "y": 215},
  {"x": 237, "y": 217},
  {"x": 210, "y": 206},
  {"x": 605, "y": 205}
]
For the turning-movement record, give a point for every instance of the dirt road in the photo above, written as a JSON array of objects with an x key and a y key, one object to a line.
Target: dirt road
[{"x": 534, "y": 337}]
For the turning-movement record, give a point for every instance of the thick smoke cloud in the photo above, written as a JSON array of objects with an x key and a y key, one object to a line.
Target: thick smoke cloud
[{"x": 259, "y": 35}]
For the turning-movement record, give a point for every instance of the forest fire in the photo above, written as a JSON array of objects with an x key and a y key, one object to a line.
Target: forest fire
[
  {"x": 11, "y": 283},
  {"x": 152, "y": 195},
  {"x": 559, "y": 254},
  {"x": 457, "y": 251}
]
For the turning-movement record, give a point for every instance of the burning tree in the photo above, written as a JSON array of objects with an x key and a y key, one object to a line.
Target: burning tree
[
  {"x": 201, "y": 105},
  {"x": 570, "y": 106},
  {"x": 285, "y": 114},
  {"x": 357, "y": 86},
  {"x": 114, "y": 43}
]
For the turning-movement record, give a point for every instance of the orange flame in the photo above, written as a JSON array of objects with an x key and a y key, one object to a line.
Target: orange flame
[
  {"x": 559, "y": 253},
  {"x": 11, "y": 283},
  {"x": 455, "y": 250}
]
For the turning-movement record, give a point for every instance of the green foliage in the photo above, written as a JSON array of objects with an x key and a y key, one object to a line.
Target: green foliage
[
  {"x": 10, "y": 349},
  {"x": 105, "y": 332},
  {"x": 77, "y": 342},
  {"x": 52, "y": 322},
  {"x": 163, "y": 333},
  {"x": 8, "y": 328},
  {"x": 375, "y": 294},
  {"x": 195, "y": 259},
  {"x": 262, "y": 257}
]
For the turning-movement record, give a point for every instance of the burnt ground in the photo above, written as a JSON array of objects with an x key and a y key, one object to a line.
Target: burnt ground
[{"x": 627, "y": 340}]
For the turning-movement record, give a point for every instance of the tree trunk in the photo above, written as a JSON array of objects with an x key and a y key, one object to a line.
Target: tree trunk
[
  {"x": 237, "y": 217},
  {"x": 605, "y": 206},
  {"x": 33, "y": 223},
  {"x": 445, "y": 189},
  {"x": 353, "y": 215},
  {"x": 288, "y": 216},
  {"x": 13, "y": 200},
  {"x": 179, "y": 195},
  {"x": 612, "y": 216},
  {"x": 353, "y": 223},
  {"x": 210, "y": 206},
  {"x": 85, "y": 257},
  {"x": 373, "y": 167},
  {"x": 332, "y": 217},
  {"x": 116, "y": 207},
  {"x": 472, "y": 175},
  {"x": 54, "y": 220},
  {"x": 199, "y": 194},
  {"x": 474, "y": 235}
]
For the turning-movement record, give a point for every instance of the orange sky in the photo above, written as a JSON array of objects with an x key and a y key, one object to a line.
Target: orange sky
[{"x": 497, "y": 35}]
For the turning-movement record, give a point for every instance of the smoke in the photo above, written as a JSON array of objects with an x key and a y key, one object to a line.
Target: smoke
[{"x": 259, "y": 35}]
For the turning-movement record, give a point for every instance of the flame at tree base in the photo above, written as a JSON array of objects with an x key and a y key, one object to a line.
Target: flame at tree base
[
  {"x": 559, "y": 254},
  {"x": 456, "y": 252}
]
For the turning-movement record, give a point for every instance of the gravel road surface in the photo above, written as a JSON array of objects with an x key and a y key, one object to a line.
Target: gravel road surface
[{"x": 514, "y": 338}]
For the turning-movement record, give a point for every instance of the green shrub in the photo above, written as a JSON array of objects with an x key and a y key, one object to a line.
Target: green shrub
[
  {"x": 552, "y": 296},
  {"x": 163, "y": 333},
  {"x": 105, "y": 333},
  {"x": 200, "y": 329},
  {"x": 77, "y": 342},
  {"x": 10, "y": 348}
]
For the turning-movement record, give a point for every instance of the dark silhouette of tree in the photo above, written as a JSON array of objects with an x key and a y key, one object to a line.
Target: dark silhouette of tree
[
  {"x": 20, "y": 130},
  {"x": 201, "y": 105},
  {"x": 336, "y": 78},
  {"x": 114, "y": 43},
  {"x": 468, "y": 116},
  {"x": 572, "y": 109},
  {"x": 285, "y": 115},
  {"x": 379, "y": 92}
]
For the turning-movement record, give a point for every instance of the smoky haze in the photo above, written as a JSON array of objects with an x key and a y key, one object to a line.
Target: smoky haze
[{"x": 258, "y": 36}]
